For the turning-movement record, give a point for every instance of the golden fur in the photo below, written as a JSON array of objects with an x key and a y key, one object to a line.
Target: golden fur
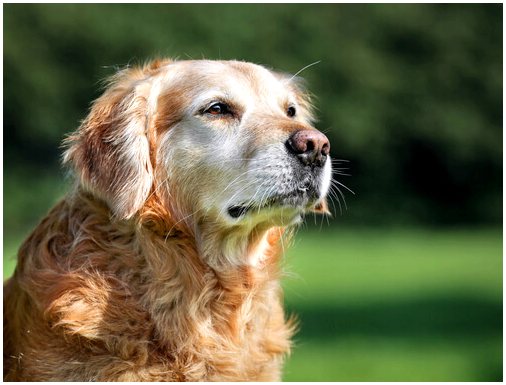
[{"x": 137, "y": 274}]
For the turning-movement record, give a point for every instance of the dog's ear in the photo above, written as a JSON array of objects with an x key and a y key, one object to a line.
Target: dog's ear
[{"x": 110, "y": 151}]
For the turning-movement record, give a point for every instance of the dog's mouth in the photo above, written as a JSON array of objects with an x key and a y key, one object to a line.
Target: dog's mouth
[
  {"x": 238, "y": 211},
  {"x": 299, "y": 200}
]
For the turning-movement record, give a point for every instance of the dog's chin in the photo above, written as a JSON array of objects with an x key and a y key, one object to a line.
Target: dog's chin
[{"x": 279, "y": 210}]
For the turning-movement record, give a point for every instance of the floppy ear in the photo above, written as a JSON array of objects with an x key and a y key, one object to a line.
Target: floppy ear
[{"x": 110, "y": 151}]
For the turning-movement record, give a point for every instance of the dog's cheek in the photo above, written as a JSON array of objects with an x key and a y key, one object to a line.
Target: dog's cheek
[{"x": 198, "y": 163}]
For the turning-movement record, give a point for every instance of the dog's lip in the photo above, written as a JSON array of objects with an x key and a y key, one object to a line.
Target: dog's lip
[
  {"x": 298, "y": 199},
  {"x": 238, "y": 211}
]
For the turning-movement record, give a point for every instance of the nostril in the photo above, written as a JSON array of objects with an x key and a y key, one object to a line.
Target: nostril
[{"x": 309, "y": 146}]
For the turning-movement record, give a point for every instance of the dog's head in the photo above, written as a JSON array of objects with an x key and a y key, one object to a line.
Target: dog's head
[{"x": 228, "y": 141}]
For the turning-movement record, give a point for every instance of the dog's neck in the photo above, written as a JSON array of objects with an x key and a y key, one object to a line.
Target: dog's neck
[
  {"x": 221, "y": 247},
  {"x": 256, "y": 247},
  {"x": 227, "y": 278}
]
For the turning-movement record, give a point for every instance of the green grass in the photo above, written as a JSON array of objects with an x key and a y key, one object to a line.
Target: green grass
[
  {"x": 388, "y": 359},
  {"x": 391, "y": 305},
  {"x": 363, "y": 265},
  {"x": 399, "y": 305}
]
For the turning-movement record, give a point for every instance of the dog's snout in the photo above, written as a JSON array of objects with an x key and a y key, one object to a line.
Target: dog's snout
[{"x": 311, "y": 147}]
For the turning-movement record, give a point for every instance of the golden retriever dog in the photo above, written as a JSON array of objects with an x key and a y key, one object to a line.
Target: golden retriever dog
[{"x": 162, "y": 263}]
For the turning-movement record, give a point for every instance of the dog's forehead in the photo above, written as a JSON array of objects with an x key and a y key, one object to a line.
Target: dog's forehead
[{"x": 202, "y": 75}]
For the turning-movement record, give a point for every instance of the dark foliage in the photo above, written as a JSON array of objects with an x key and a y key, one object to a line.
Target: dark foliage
[{"x": 410, "y": 94}]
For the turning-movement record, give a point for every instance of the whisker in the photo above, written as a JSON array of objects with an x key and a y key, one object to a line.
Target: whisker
[
  {"x": 332, "y": 198},
  {"x": 281, "y": 241},
  {"x": 265, "y": 196},
  {"x": 219, "y": 161},
  {"x": 251, "y": 200},
  {"x": 155, "y": 190},
  {"x": 178, "y": 222},
  {"x": 342, "y": 185},
  {"x": 339, "y": 160},
  {"x": 240, "y": 175},
  {"x": 333, "y": 194},
  {"x": 304, "y": 68},
  {"x": 250, "y": 183}
]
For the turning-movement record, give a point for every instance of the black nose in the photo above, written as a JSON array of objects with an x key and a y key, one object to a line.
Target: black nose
[{"x": 310, "y": 146}]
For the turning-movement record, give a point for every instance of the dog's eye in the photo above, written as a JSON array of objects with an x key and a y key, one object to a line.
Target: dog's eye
[
  {"x": 218, "y": 109},
  {"x": 291, "y": 111}
]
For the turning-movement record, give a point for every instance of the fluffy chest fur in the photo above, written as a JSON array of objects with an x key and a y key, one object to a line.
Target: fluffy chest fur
[{"x": 144, "y": 300}]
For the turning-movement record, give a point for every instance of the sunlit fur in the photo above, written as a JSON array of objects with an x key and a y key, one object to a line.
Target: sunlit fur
[{"x": 139, "y": 273}]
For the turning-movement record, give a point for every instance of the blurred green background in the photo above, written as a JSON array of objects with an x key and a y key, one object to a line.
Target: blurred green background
[{"x": 404, "y": 285}]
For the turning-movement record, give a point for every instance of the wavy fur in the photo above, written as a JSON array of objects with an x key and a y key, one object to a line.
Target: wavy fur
[{"x": 135, "y": 275}]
